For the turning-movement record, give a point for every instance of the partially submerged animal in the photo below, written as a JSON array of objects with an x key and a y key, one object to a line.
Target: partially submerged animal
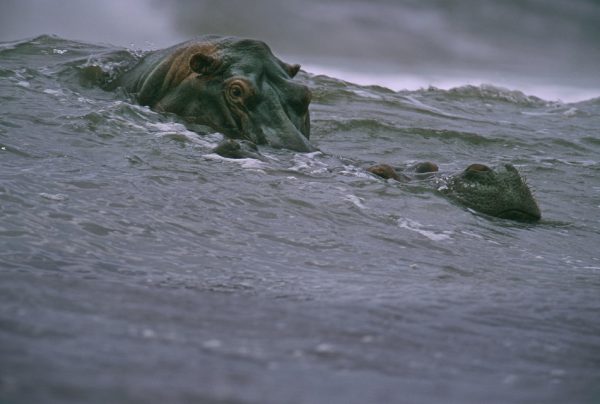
[
  {"x": 239, "y": 88},
  {"x": 232, "y": 85},
  {"x": 500, "y": 192}
]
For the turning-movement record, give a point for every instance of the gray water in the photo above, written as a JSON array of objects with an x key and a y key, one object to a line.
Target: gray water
[{"x": 137, "y": 266}]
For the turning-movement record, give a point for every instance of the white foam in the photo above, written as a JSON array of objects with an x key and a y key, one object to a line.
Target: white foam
[
  {"x": 168, "y": 127},
  {"x": 248, "y": 163},
  {"x": 367, "y": 94},
  {"x": 173, "y": 128},
  {"x": 571, "y": 112},
  {"x": 419, "y": 228},
  {"x": 54, "y": 197},
  {"x": 53, "y": 92},
  {"x": 354, "y": 171},
  {"x": 358, "y": 202},
  {"x": 305, "y": 162}
]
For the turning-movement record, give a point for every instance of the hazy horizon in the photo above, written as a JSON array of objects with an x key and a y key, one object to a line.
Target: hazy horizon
[{"x": 530, "y": 45}]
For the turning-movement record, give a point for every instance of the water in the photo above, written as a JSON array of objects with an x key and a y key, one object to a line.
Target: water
[{"x": 138, "y": 266}]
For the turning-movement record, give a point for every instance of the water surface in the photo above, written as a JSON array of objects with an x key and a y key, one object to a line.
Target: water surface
[{"x": 137, "y": 266}]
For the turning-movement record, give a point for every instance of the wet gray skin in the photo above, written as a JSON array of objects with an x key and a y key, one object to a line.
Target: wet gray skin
[
  {"x": 234, "y": 86},
  {"x": 500, "y": 192}
]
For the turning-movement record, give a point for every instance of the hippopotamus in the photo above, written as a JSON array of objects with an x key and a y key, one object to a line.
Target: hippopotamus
[
  {"x": 238, "y": 87},
  {"x": 500, "y": 192},
  {"x": 235, "y": 86}
]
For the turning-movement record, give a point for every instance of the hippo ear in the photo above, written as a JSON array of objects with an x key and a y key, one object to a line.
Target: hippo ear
[
  {"x": 292, "y": 70},
  {"x": 203, "y": 64}
]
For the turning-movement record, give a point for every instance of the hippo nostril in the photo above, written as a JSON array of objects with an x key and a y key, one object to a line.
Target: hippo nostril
[
  {"x": 426, "y": 167},
  {"x": 477, "y": 168}
]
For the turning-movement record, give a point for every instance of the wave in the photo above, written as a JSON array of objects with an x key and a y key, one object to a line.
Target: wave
[
  {"x": 489, "y": 92},
  {"x": 480, "y": 84}
]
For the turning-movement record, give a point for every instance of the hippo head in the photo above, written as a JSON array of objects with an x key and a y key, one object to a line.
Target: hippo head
[
  {"x": 235, "y": 86},
  {"x": 501, "y": 192}
]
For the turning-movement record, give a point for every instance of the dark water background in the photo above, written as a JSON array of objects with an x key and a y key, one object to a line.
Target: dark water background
[{"x": 135, "y": 266}]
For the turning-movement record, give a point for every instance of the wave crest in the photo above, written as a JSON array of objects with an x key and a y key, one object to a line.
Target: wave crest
[{"x": 489, "y": 92}]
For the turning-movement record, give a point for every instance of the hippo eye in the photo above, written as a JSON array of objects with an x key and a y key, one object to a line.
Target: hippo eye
[{"x": 238, "y": 90}]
